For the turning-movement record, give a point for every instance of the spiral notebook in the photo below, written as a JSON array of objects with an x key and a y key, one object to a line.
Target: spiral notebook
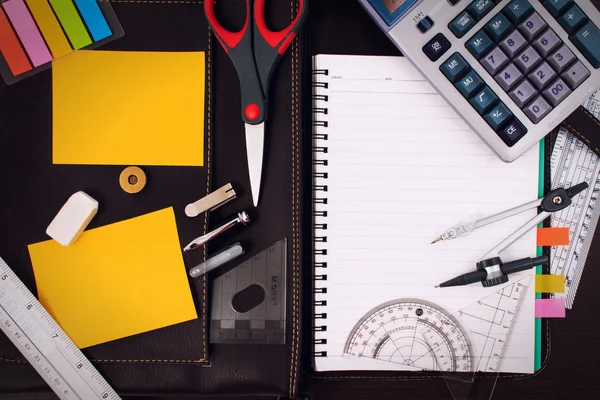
[{"x": 393, "y": 167}]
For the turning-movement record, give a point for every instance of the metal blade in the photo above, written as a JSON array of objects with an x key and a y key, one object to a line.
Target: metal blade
[{"x": 255, "y": 143}]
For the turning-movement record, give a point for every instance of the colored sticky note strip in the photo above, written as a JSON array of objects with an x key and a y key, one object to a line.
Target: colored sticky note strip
[
  {"x": 51, "y": 30},
  {"x": 549, "y": 283},
  {"x": 11, "y": 48},
  {"x": 71, "y": 22},
  {"x": 115, "y": 281},
  {"x": 550, "y": 308},
  {"x": 94, "y": 19},
  {"x": 27, "y": 31},
  {"x": 129, "y": 108},
  {"x": 553, "y": 236}
]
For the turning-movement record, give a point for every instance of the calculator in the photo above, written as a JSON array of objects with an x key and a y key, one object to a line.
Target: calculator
[{"x": 513, "y": 69}]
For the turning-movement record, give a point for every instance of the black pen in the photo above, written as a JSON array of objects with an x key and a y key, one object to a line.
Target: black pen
[{"x": 508, "y": 268}]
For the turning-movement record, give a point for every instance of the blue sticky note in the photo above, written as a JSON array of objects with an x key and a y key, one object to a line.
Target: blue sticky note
[{"x": 94, "y": 19}]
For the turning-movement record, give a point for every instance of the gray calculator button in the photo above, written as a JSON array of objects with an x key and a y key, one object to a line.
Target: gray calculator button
[
  {"x": 556, "y": 92},
  {"x": 495, "y": 60},
  {"x": 542, "y": 75},
  {"x": 546, "y": 42},
  {"x": 537, "y": 110},
  {"x": 561, "y": 58},
  {"x": 532, "y": 26},
  {"x": 523, "y": 93},
  {"x": 509, "y": 77},
  {"x": 514, "y": 43},
  {"x": 575, "y": 75},
  {"x": 527, "y": 60}
]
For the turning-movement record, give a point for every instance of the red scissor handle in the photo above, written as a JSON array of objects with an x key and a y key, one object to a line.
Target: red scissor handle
[
  {"x": 279, "y": 40},
  {"x": 229, "y": 40}
]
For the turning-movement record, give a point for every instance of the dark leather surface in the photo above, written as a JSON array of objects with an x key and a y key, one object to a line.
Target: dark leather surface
[
  {"x": 572, "y": 354},
  {"x": 166, "y": 361},
  {"x": 586, "y": 127}
]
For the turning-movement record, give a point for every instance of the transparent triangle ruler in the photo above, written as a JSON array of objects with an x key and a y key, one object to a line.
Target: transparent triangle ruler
[
  {"x": 45, "y": 345},
  {"x": 573, "y": 162}
]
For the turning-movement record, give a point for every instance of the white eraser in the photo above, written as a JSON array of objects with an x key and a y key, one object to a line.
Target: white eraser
[{"x": 72, "y": 219}]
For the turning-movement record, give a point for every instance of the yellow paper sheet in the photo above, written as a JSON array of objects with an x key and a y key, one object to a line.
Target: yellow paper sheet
[
  {"x": 129, "y": 108},
  {"x": 115, "y": 281},
  {"x": 549, "y": 283}
]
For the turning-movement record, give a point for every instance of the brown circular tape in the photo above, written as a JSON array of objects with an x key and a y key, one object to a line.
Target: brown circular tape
[{"x": 132, "y": 180}]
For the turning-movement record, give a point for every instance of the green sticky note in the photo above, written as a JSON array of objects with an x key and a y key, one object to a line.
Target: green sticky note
[{"x": 71, "y": 22}]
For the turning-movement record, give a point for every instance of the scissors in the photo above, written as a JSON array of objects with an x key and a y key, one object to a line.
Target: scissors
[{"x": 255, "y": 51}]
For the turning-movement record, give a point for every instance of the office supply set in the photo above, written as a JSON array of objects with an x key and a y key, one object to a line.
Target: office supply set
[{"x": 134, "y": 135}]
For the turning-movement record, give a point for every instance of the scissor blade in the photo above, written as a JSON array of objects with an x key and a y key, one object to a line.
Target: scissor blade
[{"x": 255, "y": 142}]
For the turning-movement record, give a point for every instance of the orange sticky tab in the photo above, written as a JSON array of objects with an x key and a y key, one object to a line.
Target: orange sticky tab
[{"x": 553, "y": 236}]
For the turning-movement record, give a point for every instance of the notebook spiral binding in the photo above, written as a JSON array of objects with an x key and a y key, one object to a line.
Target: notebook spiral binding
[{"x": 320, "y": 176}]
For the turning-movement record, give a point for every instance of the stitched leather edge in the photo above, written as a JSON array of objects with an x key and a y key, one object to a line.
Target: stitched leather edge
[{"x": 580, "y": 135}]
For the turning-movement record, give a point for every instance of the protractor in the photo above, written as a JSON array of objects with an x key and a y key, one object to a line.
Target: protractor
[{"x": 412, "y": 332}]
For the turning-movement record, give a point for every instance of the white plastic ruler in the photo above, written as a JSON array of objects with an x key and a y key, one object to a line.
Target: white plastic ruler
[
  {"x": 45, "y": 345},
  {"x": 573, "y": 162}
]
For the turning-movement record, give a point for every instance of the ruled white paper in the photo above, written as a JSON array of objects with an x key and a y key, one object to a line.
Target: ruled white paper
[{"x": 402, "y": 167}]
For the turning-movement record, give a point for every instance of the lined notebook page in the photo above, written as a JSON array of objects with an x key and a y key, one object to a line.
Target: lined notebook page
[{"x": 401, "y": 168}]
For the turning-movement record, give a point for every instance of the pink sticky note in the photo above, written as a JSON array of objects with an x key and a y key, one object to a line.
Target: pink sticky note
[
  {"x": 549, "y": 308},
  {"x": 27, "y": 32}
]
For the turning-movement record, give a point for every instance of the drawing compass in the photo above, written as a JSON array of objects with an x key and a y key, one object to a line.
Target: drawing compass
[{"x": 491, "y": 271}]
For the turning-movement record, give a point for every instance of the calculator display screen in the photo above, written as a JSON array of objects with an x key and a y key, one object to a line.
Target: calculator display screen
[{"x": 393, "y": 5}]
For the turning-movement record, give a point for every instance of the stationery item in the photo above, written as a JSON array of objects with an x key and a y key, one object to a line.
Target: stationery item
[
  {"x": 120, "y": 279},
  {"x": 249, "y": 302},
  {"x": 550, "y": 308},
  {"x": 242, "y": 218},
  {"x": 553, "y": 236},
  {"x": 72, "y": 219},
  {"x": 573, "y": 161},
  {"x": 159, "y": 118},
  {"x": 512, "y": 69},
  {"x": 211, "y": 202},
  {"x": 132, "y": 180},
  {"x": 549, "y": 284},
  {"x": 255, "y": 52},
  {"x": 45, "y": 345},
  {"x": 378, "y": 121},
  {"x": 226, "y": 255},
  {"x": 42, "y": 31}
]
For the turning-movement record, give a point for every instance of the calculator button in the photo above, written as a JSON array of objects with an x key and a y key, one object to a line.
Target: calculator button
[
  {"x": 494, "y": 60},
  {"x": 561, "y": 58},
  {"x": 454, "y": 67},
  {"x": 498, "y": 27},
  {"x": 537, "y": 110},
  {"x": 480, "y": 8},
  {"x": 586, "y": 41},
  {"x": 532, "y": 26},
  {"x": 453, "y": 2},
  {"x": 556, "y": 92},
  {"x": 513, "y": 132},
  {"x": 514, "y": 43},
  {"x": 542, "y": 75},
  {"x": 557, "y": 7},
  {"x": 483, "y": 100},
  {"x": 436, "y": 47},
  {"x": 425, "y": 24},
  {"x": 509, "y": 77},
  {"x": 572, "y": 19},
  {"x": 546, "y": 43},
  {"x": 518, "y": 10},
  {"x": 469, "y": 84},
  {"x": 498, "y": 116},
  {"x": 575, "y": 75},
  {"x": 479, "y": 44},
  {"x": 523, "y": 93},
  {"x": 527, "y": 60},
  {"x": 462, "y": 24}
]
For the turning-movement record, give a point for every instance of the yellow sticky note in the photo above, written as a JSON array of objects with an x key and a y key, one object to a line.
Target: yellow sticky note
[
  {"x": 128, "y": 108},
  {"x": 549, "y": 284},
  {"x": 115, "y": 281}
]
